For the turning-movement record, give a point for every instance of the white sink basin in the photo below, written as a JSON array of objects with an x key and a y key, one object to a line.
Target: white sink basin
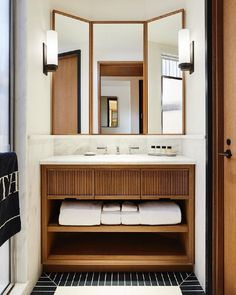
[{"x": 132, "y": 159}]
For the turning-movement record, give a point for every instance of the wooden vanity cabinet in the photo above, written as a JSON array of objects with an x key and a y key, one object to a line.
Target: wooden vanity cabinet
[{"x": 117, "y": 248}]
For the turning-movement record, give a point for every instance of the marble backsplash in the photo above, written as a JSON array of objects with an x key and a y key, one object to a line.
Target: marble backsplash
[{"x": 72, "y": 145}]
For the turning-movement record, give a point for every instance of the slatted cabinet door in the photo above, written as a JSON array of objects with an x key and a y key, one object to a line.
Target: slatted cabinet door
[
  {"x": 165, "y": 183},
  {"x": 117, "y": 183},
  {"x": 70, "y": 183}
]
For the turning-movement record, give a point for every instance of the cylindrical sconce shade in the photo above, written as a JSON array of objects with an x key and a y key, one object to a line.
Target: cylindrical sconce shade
[
  {"x": 184, "y": 47},
  {"x": 52, "y": 48},
  {"x": 186, "y": 51}
]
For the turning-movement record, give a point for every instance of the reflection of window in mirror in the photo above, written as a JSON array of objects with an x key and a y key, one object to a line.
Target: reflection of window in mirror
[
  {"x": 171, "y": 96},
  {"x": 164, "y": 79}
]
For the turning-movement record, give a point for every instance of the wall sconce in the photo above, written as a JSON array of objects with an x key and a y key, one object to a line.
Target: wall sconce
[
  {"x": 50, "y": 52},
  {"x": 186, "y": 51}
]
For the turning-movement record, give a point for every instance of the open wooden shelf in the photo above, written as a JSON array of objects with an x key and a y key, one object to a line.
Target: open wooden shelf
[
  {"x": 117, "y": 246},
  {"x": 179, "y": 228}
]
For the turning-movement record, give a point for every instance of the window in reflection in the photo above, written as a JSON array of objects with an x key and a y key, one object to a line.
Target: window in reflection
[{"x": 171, "y": 96}]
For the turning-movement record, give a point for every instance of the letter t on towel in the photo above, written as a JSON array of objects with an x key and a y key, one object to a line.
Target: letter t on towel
[{"x": 10, "y": 222}]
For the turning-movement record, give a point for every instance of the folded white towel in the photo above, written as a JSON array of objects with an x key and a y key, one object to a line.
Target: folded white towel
[
  {"x": 111, "y": 207},
  {"x": 129, "y": 207},
  {"x": 111, "y": 218},
  {"x": 80, "y": 213},
  {"x": 159, "y": 213},
  {"x": 130, "y": 218}
]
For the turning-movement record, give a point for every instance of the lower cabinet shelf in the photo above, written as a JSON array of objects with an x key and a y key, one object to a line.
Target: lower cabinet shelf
[
  {"x": 117, "y": 244},
  {"x": 179, "y": 228},
  {"x": 118, "y": 250}
]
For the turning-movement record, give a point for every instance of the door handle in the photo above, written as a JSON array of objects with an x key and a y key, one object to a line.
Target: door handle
[{"x": 226, "y": 154}]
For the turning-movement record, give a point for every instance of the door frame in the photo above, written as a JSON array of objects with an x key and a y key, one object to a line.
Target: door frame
[{"x": 215, "y": 121}]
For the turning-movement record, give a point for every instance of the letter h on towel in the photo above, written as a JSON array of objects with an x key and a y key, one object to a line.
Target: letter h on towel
[{"x": 10, "y": 222}]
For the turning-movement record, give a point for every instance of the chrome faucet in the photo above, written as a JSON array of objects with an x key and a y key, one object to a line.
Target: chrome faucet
[
  {"x": 104, "y": 148},
  {"x": 131, "y": 148}
]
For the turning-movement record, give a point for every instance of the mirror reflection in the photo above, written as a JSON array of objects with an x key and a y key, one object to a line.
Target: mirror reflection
[
  {"x": 165, "y": 82},
  {"x": 118, "y": 67},
  {"x": 109, "y": 112},
  {"x": 103, "y": 63},
  {"x": 120, "y": 105},
  {"x": 71, "y": 80}
]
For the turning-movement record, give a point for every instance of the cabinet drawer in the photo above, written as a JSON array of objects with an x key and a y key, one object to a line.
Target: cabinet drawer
[
  {"x": 117, "y": 183},
  {"x": 70, "y": 182},
  {"x": 165, "y": 182}
]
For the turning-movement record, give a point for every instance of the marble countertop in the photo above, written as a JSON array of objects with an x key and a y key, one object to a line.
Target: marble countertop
[{"x": 135, "y": 159}]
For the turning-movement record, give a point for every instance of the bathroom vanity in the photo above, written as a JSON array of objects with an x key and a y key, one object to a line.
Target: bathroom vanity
[{"x": 120, "y": 247}]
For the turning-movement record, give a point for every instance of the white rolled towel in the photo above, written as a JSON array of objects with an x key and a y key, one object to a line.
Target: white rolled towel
[
  {"x": 111, "y": 207},
  {"x": 80, "y": 213},
  {"x": 111, "y": 218},
  {"x": 130, "y": 218},
  {"x": 159, "y": 213},
  {"x": 129, "y": 207}
]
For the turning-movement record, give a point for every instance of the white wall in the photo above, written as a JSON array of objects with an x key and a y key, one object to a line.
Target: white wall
[
  {"x": 38, "y": 85},
  {"x": 196, "y": 124},
  {"x": 155, "y": 50},
  {"x": 32, "y": 116},
  {"x": 195, "y": 83},
  {"x": 128, "y": 103}
]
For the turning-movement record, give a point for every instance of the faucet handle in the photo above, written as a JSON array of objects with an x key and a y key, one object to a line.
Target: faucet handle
[
  {"x": 104, "y": 148},
  {"x": 133, "y": 148}
]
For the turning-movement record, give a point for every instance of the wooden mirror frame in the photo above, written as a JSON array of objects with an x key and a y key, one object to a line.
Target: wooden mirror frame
[{"x": 145, "y": 67}]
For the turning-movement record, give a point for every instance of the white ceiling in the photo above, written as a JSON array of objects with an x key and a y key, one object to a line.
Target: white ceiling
[
  {"x": 122, "y": 41},
  {"x": 72, "y": 34},
  {"x": 117, "y": 9},
  {"x": 165, "y": 30}
]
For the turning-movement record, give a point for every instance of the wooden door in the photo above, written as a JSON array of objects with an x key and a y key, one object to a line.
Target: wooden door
[
  {"x": 66, "y": 95},
  {"x": 230, "y": 133}
]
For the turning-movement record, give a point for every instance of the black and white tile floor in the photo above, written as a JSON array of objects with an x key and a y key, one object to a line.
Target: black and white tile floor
[{"x": 188, "y": 282}]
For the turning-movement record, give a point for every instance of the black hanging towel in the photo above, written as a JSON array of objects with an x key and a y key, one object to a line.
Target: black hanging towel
[{"x": 10, "y": 223}]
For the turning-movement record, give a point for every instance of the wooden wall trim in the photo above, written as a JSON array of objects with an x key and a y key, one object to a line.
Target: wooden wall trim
[
  {"x": 121, "y": 69},
  {"x": 145, "y": 78},
  {"x": 118, "y": 22},
  {"x": 70, "y": 15},
  {"x": 55, "y": 11},
  {"x": 166, "y": 15},
  {"x": 218, "y": 145},
  {"x": 99, "y": 97}
]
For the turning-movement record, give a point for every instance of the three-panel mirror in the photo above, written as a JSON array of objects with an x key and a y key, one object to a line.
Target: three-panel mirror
[{"x": 118, "y": 77}]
